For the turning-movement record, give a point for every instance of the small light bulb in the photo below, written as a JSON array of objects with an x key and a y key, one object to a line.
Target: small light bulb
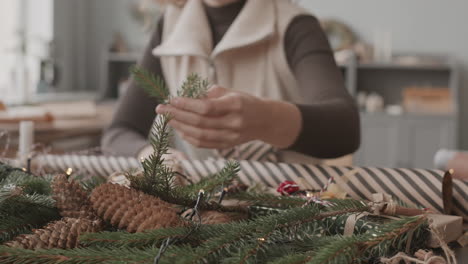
[
  {"x": 261, "y": 239},
  {"x": 69, "y": 171}
]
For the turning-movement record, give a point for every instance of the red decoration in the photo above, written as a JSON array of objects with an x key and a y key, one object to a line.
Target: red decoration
[{"x": 288, "y": 188}]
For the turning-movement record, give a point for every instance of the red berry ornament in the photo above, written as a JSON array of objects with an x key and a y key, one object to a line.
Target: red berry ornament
[{"x": 288, "y": 188}]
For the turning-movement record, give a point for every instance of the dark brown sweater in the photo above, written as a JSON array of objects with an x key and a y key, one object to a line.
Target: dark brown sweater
[{"x": 331, "y": 126}]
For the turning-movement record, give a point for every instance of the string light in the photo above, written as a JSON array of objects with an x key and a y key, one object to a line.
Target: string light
[
  {"x": 169, "y": 241},
  {"x": 223, "y": 194},
  {"x": 69, "y": 172}
]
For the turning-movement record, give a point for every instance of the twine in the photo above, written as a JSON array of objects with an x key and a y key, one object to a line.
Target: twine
[
  {"x": 351, "y": 223},
  {"x": 423, "y": 257},
  {"x": 383, "y": 204},
  {"x": 450, "y": 255}
]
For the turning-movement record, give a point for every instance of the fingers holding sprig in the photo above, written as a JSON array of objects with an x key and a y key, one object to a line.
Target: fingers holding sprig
[{"x": 216, "y": 121}]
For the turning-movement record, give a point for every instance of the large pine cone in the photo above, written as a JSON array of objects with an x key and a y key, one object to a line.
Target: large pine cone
[
  {"x": 71, "y": 199},
  {"x": 133, "y": 210},
  {"x": 61, "y": 234}
]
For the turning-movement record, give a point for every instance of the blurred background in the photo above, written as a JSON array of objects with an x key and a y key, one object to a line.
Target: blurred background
[{"x": 64, "y": 63}]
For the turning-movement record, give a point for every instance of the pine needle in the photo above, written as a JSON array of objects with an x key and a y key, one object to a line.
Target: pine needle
[
  {"x": 153, "y": 85},
  {"x": 194, "y": 87}
]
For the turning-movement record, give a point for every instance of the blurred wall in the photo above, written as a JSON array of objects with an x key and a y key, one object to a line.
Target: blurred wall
[
  {"x": 105, "y": 18},
  {"x": 431, "y": 26},
  {"x": 84, "y": 31}
]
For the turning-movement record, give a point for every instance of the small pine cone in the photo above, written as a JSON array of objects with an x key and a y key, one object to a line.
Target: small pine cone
[
  {"x": 214, "y": 217},
  {"x": 71, "y": 199},
  {"x": 62, "y": 234},
  {"x": 132, "y": 210}
]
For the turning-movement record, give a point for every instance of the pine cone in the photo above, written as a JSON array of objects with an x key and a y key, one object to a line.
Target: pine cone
[
  {"x": 71, "y": 199},
  {"x": 62, "y": 234},
  {"x": 132, "y": 210}
]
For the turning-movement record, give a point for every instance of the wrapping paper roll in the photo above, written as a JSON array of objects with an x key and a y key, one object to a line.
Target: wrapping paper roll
[{"x": 416, "y": 187}]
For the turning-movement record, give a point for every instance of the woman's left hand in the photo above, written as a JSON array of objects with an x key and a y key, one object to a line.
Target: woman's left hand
[
  {"x": 222, "y": 120},
  {"x": 227, "y": 118}
]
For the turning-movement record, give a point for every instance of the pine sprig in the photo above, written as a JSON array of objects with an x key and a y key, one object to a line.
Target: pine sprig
[
  {"x": 364, "y": 247},
  {"x": 252, "y": 235},
  {"x": 153, "y": 85},
  {"x": 215, "y": 182},
  {"x": 268, "y": 200},
  {"x": 298, "y": 258},
  {"x": 77, "y": 256},
  {"x": 158, "y": 178},
  {"x": 135, "y": 240},
  {"x": 20, "y": 213},
  {"x": 194, "y": 87}
]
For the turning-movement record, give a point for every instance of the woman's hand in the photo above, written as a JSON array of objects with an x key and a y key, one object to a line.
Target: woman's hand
[{"x": 228, "y": 118}]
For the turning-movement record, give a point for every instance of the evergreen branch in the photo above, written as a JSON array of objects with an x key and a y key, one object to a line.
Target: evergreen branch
[
  {"x": 77, "y": 256},
  {"x": 238, "y": 235},
  {"x": 194, "y": 87},
  {"x": 19, "y": 214},
  {"x": 288, "y": 219},
  {"x": 393, "y": 237},
  {"x": 215, "y": 182},
  {"x": 29, "y": 184},
  {"x": 138, "y": 240},
  {"x": 265, "y": 231},
  {"x": 268, "y": 200},
  {"x": 153, "y": 85},
  {"x": 369, "y": 245},
  {"x": 299, "y": 258},
  {"x": 89, "y": 183},
  {"x": 6, "y": 170}
]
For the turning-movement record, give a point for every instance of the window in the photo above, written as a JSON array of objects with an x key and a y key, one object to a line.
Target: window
[{"x": 25, "y": 34}]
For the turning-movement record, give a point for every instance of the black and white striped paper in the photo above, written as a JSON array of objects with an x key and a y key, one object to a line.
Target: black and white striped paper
[{"x": 416, "y": 187}]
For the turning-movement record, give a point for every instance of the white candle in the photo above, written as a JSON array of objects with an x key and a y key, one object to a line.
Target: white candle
[{"x": 26, "y": 140}]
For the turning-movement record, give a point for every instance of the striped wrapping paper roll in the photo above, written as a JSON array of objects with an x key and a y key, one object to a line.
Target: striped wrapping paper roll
[{"x": 412, "y": 186}]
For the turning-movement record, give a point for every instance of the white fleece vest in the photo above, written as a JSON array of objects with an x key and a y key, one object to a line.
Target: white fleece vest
[{"x": 250, "y": 57}]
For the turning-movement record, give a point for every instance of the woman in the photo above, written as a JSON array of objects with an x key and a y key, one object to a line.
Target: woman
[{"x": 275, "y": 82}]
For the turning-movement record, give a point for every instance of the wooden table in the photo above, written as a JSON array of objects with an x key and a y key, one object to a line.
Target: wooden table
[{"x": 64, "y": 135}]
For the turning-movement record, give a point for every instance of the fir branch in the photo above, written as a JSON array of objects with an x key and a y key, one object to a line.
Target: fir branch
[
  {"x": 268, "y": 200},
  {"x": 77, "y": 256},
  {"x": 239, "y": 235},
  {"x": 138, "y": 240},
  {"x": 30, "y": 184},
  {"x": 194, "y": 87},
  {"x": 89, "y": 183},
  {"x": 298, "y": 258},
  {"x": 153, "y": 85},
  {"x": 366, "y": 246},
  {"x": 157, "y": 178},
  {"x": 393, "y": 237},
  {"x": 215, "y": 182},
  {"x": 19, "y": 214},
  {"x": 6, "y": 170}
]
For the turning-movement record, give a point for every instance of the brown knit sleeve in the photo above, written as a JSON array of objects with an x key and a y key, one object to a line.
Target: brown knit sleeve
[
  {"x": 135, "y": 113},
  {"x": 331, "y": 125}
]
